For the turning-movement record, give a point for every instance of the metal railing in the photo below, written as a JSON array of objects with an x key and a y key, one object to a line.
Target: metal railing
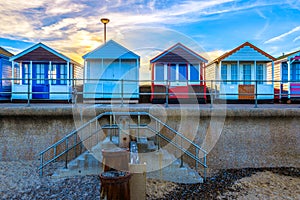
[
  {"x": 129, "y": 89},
  {"x": 72, "y": 144}
]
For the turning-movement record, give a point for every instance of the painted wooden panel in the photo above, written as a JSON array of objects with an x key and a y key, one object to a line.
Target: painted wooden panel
[
  {"x": 178, "y": 55},
  {"x": 277, "y": 77},
  {"x": 20, "y": 92},
  {"x": 210, "y": 74},
  {"x": 95, "y": 69},
  {"x": 265, "y": 91},
  {"x": 40, "y": 54},
  {"x": 63, "y": 89},
  {"x": 295, "y": 90},
  {"x": 247, "y": 54},
  {"x": 228, "y": 91},
  {"x": 245, "y": 92}
]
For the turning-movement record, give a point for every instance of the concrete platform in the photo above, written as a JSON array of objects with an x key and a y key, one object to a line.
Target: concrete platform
[{"x": 53, "y": 109}]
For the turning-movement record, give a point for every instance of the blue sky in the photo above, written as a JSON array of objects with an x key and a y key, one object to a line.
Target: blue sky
[{"x": 147, "y": 27}]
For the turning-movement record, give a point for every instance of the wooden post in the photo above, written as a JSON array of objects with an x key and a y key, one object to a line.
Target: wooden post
[{"x": 137, "y": 181}]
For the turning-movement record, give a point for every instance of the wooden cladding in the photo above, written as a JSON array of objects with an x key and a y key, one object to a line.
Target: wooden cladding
[
  {"x": 246, "y": 92},
  {"x": 40, "y": 54},
  {"x": 178, "y": 55}
]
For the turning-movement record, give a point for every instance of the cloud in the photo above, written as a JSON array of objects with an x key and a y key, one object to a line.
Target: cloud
[
  {"x": 73, "y": 26},
  {"x": 296, "y": 39},
  {"x": 280, "y": 37},
  {"x": 214, "y": 54},
  {"x": 58, "y": 7}
]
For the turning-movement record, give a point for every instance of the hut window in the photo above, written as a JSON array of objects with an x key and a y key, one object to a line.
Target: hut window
[
  {"x": 234, "y": 73},
  {"x": 63, "y": 74},
  {"x": 247, "y": 74},
  {"x": 53, "y": 75},
  {"x": 17, "y": 73},
  {"x": 40, "y": 74},
  {"x": 182, "y": 72},
  {"x": 260, "y": 73},
  {"x": 25, "y": 71},
  {"x": 59, "y": 74},
  {"x": 284, "y": 66},
  {"x": 194, "y": 72},
  {"x": 295, "y": 72},
  {"x": 224, "y": 73},
  {"x": 159, "y": 72}
]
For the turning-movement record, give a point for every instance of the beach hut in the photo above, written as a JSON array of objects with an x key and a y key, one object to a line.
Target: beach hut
[
  {"x": 242, "y": 72},
  {"x": 178, "y": 72},
  {"x": 42, "y": 73},
  {"x": 5, "y": 73},
  {"x": 111, "y": 73},
  {"x": 287, "y": 76}
]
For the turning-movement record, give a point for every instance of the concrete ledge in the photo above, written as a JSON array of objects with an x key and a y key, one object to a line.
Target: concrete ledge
[{"x": 173, "y": 110}]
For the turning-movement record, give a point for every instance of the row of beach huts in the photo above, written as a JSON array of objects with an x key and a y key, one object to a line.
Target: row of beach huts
[{"x": 111, "y": 72}]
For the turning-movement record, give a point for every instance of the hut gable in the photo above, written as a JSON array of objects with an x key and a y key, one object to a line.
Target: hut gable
[
  {"x": 5, "y": 53},
  {"x": 285, "y": 56},
  {"x": 178, "y": 54},
  {"x": 40, "y": 52},
  {"x": 245, "y": 52},
  {"x": 111, "y": 50}
]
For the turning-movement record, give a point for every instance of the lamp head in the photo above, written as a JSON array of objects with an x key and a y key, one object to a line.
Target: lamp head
[{"x": 104, "y": 20}]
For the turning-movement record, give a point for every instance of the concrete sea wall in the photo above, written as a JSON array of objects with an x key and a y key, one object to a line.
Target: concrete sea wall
[{"x": 234, "y": 138}]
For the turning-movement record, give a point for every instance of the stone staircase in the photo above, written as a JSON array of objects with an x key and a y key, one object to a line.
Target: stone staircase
[{"x": 160, "y": 164}]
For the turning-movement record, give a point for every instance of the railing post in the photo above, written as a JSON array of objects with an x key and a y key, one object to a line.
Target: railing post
[
  {"x": 211, "y": 94},
  {"x": 54, "y": 152},
  {"x": 197, "y": 154},
  {"x": 110, "y": 130},
  {"x": 139, "y": 123},
  {"x": 97, "y": 132},
  {"x": 181, "y": 157},
  {"x": 67, "y": 149},
  {"x": 28, "y": 91},
  {"x": 167, "y": 94},
  {"x": 75, "y": 152},
  {"x": 204, "y": 171},
  {"x": 255, "y": 94},
  {"x": 158, "y": 141},
  {"x": 122, "y": 93},
  {"x": 42, "y": 163}
]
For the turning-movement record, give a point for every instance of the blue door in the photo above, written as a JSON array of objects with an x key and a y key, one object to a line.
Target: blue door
[{"x": 40, "y": 82}]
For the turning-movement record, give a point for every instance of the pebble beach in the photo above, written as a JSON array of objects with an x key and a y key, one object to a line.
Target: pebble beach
[{"x": 20, "y": 180}]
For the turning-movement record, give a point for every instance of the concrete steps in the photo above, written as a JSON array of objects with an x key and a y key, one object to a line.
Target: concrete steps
[
  {"x": 160, "y": 164},
  {"x": 85, "y": 164}
]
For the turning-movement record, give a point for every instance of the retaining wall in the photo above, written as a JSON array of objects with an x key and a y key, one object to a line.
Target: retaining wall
[{"x": 248, "y": 138}]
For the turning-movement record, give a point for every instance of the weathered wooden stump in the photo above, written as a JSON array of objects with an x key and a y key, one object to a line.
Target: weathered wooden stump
[{"x": 115, "y": 185}]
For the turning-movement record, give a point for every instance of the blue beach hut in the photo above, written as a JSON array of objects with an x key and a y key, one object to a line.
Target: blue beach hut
[
  {"x": 43, "y": 74},
  {"x": 111, "y": 72}
]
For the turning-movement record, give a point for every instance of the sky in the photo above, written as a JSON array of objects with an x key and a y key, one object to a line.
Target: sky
[{"x": 148, "y": 27}]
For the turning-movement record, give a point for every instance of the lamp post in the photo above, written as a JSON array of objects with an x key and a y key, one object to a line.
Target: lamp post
[{"x": 104, "y": 21}]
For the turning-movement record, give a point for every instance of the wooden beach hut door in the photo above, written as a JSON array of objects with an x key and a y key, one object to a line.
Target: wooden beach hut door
[{"x": 40, "y": 82}]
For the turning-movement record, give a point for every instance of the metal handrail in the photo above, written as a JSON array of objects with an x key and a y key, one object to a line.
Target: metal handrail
[
  {"x": 177, "y": 133},
  {"x": 212, "y": 85},
  {"x": 185, "y": 151},
  {"x": 67, "y": 149}
]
